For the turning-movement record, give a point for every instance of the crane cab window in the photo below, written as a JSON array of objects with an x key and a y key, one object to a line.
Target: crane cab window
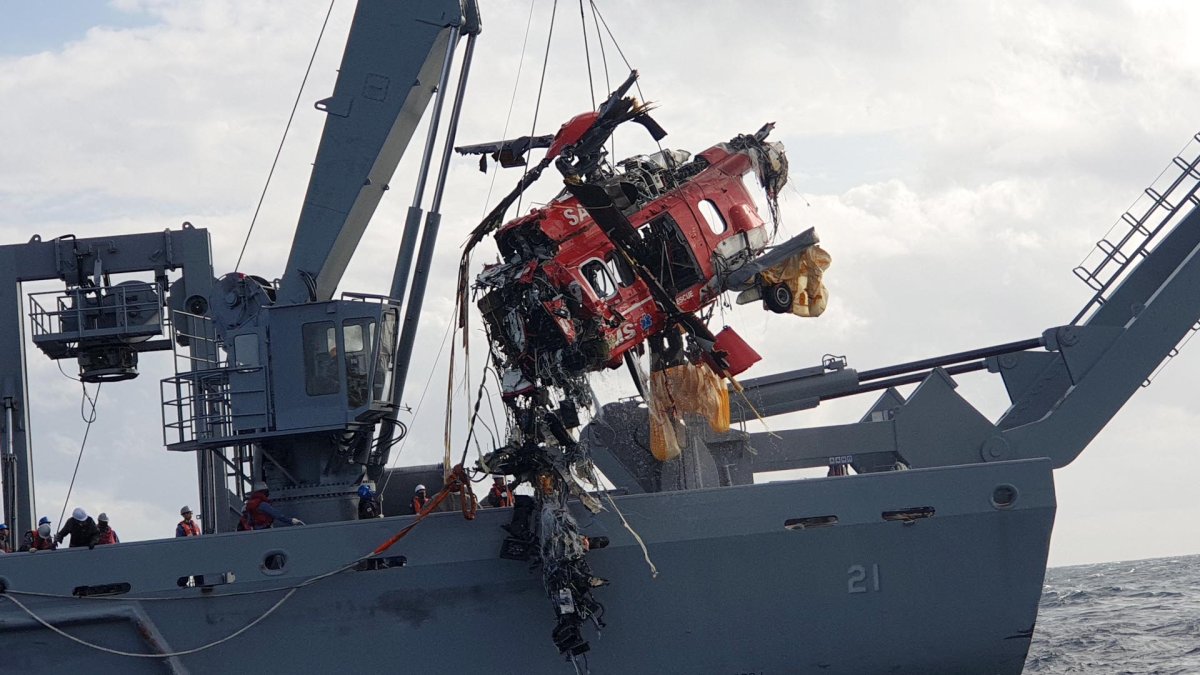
[
  {"x": 245, "y": 350},
  {"x": 320, "y": 358},
  {"x": 382, "y": 382},
  {"x": 601, "y": 280},
  {"x": 358, "y": 336}
]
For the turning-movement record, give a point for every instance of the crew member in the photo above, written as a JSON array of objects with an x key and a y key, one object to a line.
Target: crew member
[
  {"x": 259, "y": 514},
  {"x": 39, "y": 539},
  {"x": 369, "y": 503},
  {"x": 187, "y": 527},
  {"x": 5, "y": 545},
  {"x": 81, "y": 528},
  {"x": 420, "y": 499},
  {"x": 500, "y": 494},
  {"x": 107, "y": 534}
]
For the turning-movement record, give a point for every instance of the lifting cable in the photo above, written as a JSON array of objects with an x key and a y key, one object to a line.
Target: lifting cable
[
  {"x": 286, "y": 127},
  {"x": 541, "y": 86},
  {"x": 512, "y": 101},
  {"x": 88, "y": 418},
  {"x": 491, "y": 185},
  {"x": 600, "y": 41},
  {"x": 587, "y": 54},
  {"x": 403, "y": 438}
]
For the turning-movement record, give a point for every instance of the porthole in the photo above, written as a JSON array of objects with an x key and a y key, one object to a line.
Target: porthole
[
  {"x": 1004, "y": 496},
  {"x": 274, "y": 562}
]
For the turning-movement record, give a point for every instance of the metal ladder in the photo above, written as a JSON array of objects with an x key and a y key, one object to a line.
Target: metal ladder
[{"x": 1160, "y": 206}]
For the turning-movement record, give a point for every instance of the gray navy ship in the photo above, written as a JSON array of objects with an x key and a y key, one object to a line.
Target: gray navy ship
[{"x": 923, "y": 551}]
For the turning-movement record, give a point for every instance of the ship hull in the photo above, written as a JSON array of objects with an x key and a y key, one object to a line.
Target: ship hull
[{"x": 736, "y": 591}]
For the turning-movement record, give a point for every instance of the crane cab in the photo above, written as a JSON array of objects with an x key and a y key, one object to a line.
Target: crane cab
[{"x": 291, "y": 370}]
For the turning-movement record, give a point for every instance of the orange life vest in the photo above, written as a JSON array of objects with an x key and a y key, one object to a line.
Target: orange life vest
[
  {"x": 190, "y": 528},
  {"x": 501, "y": 497},
  {"x": 252, "y": 517}
]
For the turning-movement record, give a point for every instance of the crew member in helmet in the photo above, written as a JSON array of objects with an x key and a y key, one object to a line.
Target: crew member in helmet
[
  {"x": 500, "y": 495},
  {"x": 420, "y": 499},
  {"x": 5, "y": 545},
  {"x": 107, "y": 534},
  {"x": 259, "y": 514},
  {"x": 187, "y": 527},
  {"x": 81, "y": 529},
  {"x": 370, "y": 505},
  {"x": 39, "y": 539}
]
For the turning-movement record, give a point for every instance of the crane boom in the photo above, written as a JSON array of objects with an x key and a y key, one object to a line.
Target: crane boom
[{"x": 394, "y": 55}]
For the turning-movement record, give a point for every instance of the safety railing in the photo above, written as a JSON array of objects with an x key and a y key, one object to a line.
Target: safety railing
[
  {"x": 1158, "y": 209},
  {"x": 196, "y": 407},
  {"x": 124, "y": 310},
  {"x": 198, "y": 403}
]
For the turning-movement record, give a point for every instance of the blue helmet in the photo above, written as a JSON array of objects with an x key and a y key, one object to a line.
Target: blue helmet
[
  {"x": 3, "y": 527},
  {"x": 44, "y": 521},
  {"x": 365, "y": 491}
]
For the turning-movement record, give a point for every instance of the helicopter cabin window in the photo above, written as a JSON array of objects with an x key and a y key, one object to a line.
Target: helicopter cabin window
[
  {"x": 671, "y": 259},
  {"x": 358, "y": 336},
  {"x": 320, "y": 358},
  {"x": 245, "y": 350},
  {"x": 598, "y": 275},
  {"x": 619, "y": 268},
  {"x": 712, "y": 216}
]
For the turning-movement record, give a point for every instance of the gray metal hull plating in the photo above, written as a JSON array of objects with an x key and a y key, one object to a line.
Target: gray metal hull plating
[{"x": 737, "y": 592}]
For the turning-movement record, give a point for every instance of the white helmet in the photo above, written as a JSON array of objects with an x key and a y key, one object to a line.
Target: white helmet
[
  {"x": 79, "y": 514},
  {"x": 259, "y": 485},
  {"x": 419, "y": 488}
]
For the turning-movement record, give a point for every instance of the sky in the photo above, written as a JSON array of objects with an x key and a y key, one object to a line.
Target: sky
[{"x": 957, "y": 160}]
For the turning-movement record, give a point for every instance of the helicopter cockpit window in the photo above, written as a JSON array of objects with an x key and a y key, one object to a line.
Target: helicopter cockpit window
[
  {"x": 320, "y": 358},
  {"x": 358, "y": 336},
  {"x": 597, "y": 274}
]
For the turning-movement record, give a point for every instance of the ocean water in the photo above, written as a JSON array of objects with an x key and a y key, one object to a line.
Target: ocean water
[{"x": 1141, "y": 616}]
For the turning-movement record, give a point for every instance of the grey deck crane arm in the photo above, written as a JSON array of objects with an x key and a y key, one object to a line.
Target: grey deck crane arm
[
  {"x": 394, "y": 54},
  {"x": 1106, "y": 364}
]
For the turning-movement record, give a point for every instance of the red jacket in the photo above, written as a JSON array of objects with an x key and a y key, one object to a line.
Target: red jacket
[
  {"x": 35, "y": 542},
  {"x": 499, "y": 496},
  {"x": 108, "y": 536}
]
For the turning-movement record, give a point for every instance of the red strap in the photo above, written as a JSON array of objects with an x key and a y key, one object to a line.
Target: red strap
[{"x": 454, "y": 483}]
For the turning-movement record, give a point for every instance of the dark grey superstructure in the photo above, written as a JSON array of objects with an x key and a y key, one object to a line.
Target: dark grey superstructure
[{"x": 928, "y": 557}]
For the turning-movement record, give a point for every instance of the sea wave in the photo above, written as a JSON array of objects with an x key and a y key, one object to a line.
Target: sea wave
[{"x": 1121, "y": 617}]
